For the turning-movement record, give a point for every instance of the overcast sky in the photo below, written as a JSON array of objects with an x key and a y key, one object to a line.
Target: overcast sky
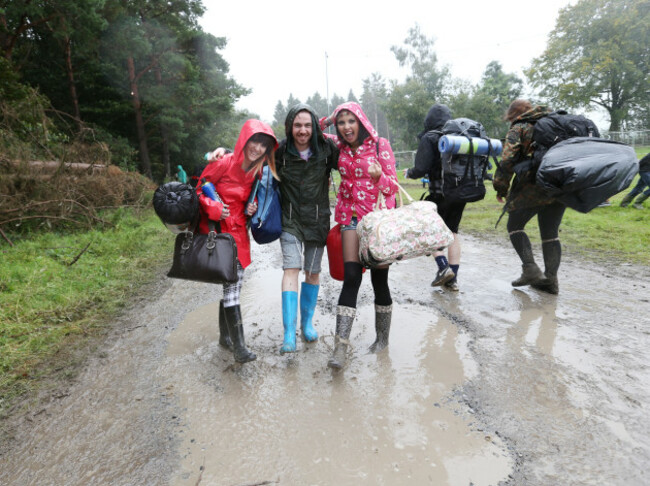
[{"x": 277, "y": 48}]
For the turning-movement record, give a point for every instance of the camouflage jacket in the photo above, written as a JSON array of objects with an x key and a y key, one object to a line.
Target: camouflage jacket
[{"x": 523, "y": 193}]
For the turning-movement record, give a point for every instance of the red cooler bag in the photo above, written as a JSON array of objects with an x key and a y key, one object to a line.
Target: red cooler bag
[{"x": 335, "y": 253}]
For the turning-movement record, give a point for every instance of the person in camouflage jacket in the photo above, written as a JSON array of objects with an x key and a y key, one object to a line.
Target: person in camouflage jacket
[{"x": 524, "y": 199}]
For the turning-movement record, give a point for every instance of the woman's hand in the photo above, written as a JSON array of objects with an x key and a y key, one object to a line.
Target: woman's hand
[
  {"x": 225, "y": 213},
  {"x": 251, "y": 209},
  {"x": 374, "y": 171},
  {"x": 216, "y": 154}
]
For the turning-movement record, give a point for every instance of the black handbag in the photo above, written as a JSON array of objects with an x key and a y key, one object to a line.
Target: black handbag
[{"x": 210, "y": 258}]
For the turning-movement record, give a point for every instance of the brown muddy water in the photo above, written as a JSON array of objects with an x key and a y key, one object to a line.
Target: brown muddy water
[{"x": 489, "y": 386}]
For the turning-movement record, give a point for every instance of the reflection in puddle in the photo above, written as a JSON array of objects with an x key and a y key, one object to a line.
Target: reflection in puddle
[{"x": 385, "y": 419}]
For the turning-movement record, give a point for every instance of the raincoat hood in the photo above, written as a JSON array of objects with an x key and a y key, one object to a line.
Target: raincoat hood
[
  {"x": 438, "y": 115},
  {"x": 317, "y": 137},
  {"x": 250, "y": 128},
  {"x": 356, "y": 110}
]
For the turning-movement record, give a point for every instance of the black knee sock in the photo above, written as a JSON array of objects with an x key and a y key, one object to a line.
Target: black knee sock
[
  {"x": 351, "y": 283},
  {"x": 379, "y": 279}
]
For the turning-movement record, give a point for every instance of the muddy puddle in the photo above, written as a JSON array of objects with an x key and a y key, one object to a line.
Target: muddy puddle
[{"x": 489, "y": 386}]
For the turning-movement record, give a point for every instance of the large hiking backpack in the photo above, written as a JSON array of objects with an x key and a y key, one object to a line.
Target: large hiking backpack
[
  {"x": 558, "y": 126},
  {"x": 463, "y": 174}
]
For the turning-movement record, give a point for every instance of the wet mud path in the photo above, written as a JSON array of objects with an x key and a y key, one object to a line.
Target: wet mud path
[{"x": 492, "y": 385}]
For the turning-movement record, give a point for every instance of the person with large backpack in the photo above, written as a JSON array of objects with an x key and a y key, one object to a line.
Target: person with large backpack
[
  {"x": 454, "y": 180},
  {"x": 525, "y": 199}
]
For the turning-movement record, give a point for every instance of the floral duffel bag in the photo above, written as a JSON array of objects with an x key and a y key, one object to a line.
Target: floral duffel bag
[{"x": 408, "y": 231}]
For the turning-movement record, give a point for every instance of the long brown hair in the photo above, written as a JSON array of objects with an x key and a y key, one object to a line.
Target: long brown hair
[
  {"x": 517, "y": 108},
  {"x": 269, "y": 154}
]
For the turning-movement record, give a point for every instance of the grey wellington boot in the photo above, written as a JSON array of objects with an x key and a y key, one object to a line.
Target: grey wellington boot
[
  {"x": 383, "y": 315},
  {"x": 638, "y": 204},
  {"x": 627, "y": 199},
  {"x": 344, "y": 320},
  {"x": 530, "y": 273},
  {"x": 224, "y": 336},
  {"x": 236, "y": 331}
]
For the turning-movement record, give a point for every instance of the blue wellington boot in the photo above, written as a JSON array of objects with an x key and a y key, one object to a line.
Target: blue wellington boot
[
  {"x": 308, "y": 298},
  {"x": 289, "y": 320}
]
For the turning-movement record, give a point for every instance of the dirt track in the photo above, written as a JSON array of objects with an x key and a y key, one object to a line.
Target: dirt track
[{"x": 489, "y": 386}]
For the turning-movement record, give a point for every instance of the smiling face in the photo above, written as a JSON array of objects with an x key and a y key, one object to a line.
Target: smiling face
[
  {"x": 348, "y": 127},
  {"x": 253, "y": 152},
  {"x": 301, "y": 130}
]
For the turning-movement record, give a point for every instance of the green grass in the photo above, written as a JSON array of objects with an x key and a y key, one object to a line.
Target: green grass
[{"x": 48, "y": 304}]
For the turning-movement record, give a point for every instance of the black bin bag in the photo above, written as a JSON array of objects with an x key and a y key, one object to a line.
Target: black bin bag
[{"x": 583, "y": 172}]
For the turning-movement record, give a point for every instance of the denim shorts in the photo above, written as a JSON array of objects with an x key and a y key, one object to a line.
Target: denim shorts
[
  {"x": 293, "y": 254},
  {"x": 351, "y": 226}
]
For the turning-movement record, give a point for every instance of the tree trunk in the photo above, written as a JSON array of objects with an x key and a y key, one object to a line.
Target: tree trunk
[
  {"x": 164, "y": 133},
  {"x": 145, "y": 163},
  {"x": 72, "y": 84}
]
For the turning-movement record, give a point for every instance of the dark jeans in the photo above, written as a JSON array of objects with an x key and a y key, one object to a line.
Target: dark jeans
[{"x": 644, "y": 180}]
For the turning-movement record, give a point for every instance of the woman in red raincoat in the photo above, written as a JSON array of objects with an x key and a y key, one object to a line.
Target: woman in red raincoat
[
  {"x": 233, "y": 176},
  {"x": 367, "y": 168}
]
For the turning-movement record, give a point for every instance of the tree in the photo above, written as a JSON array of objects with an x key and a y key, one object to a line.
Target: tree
[
  {"x": 488, "y": 101},
  {"x": 598, "y": 53},
  {"x": 373, "y": 101},
  {"x": 427, "y": 84}
]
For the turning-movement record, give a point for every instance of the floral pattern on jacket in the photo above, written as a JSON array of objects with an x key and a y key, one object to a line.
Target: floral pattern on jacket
[{"x": 358, "y": 193}]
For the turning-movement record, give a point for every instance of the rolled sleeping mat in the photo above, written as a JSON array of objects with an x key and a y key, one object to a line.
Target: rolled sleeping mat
[{"x": 455, "y": 144}]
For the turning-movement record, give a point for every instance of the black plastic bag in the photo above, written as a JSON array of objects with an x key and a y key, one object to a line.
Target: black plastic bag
[{"x": 582, "y": 172}]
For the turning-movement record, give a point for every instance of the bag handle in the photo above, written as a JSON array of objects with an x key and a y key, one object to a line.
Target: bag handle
[{"x": 381, "y": 199}]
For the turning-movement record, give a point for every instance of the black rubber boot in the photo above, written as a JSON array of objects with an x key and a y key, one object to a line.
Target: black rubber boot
[
  {"x": 236, "y": 331},
  {"x": 638, "y": 204},
  {"x": 627, "y": 199},
  {"x": 383, "y": 315},
  {"x": 224, "y": 336},
  {"x": 344, "y": 320},
  {"x": 530, "y": 273},
  {"x": 552, "y": 251}
]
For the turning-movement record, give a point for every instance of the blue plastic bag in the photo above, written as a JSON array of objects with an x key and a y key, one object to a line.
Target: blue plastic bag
[{"x": 266, "y": 223}]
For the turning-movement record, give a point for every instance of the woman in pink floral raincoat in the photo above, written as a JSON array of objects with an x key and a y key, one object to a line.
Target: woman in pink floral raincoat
[{"x": 367, "y": 167}]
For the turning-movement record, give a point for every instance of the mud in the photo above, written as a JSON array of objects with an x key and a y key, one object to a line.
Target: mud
[{"x": 489, "y": 386}]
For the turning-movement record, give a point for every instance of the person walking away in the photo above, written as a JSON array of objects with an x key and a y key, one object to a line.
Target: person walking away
[
  {"x": 181, "y": 175},
  {"x": 428, "y": 161},
  {"x": 525, "y": 199},
  {"x": 233, "y": 176},
  {"x": 367, "y": 168},
  {"x": 304, "y": 159},
  {"x": 644, "y": 181}
]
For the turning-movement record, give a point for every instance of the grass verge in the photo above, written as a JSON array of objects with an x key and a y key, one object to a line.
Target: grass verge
[{"x": 55, "y": 297}]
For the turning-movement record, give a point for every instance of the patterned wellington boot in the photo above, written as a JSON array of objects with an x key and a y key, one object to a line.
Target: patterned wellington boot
[
  {"x": 344, "y": 320},
  {"x": 383, "y": 315}
]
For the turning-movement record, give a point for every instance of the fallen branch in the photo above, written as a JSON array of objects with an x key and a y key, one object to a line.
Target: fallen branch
[
  {"x": 6, "y": 237},
  {"x": 74, "y": 260}
]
